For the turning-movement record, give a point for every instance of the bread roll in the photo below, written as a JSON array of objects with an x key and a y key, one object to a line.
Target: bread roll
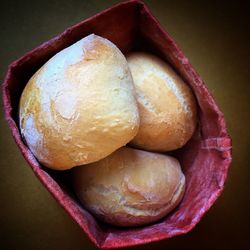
[
  {"x": 80, "y": 106},
  {"x": 130, "y": 187},
  {"x": 166, "y": 105}
]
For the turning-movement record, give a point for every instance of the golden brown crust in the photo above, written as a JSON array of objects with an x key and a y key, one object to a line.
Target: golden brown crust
[
  {"x": 130, "y": 187},
  {"x": 166, "y": 104},
  {"x": 80, "y": 106}
]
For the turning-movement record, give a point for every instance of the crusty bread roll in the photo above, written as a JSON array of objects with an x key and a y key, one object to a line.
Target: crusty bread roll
[
  {"x": 80, "y": 106},
  {"x": 166, "y": 104},
  {"x": 130, "y": 187}
]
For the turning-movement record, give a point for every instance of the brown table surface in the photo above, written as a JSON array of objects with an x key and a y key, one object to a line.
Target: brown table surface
[{"x": 215, "y": 36}]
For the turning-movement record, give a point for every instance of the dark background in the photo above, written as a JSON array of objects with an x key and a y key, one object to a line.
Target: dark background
[{"x": 215, "y": 36}]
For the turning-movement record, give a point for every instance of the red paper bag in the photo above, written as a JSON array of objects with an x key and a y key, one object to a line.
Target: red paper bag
[{"x": 205, "y": 158}]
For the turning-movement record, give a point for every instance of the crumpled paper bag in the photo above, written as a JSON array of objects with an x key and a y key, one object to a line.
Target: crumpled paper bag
[{"x": 205, "y": 158}]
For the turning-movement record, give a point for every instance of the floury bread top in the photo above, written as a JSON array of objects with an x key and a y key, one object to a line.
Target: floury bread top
[
  {"x": 80, "y": 106},
  {"x": 166, "y": 104}
]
